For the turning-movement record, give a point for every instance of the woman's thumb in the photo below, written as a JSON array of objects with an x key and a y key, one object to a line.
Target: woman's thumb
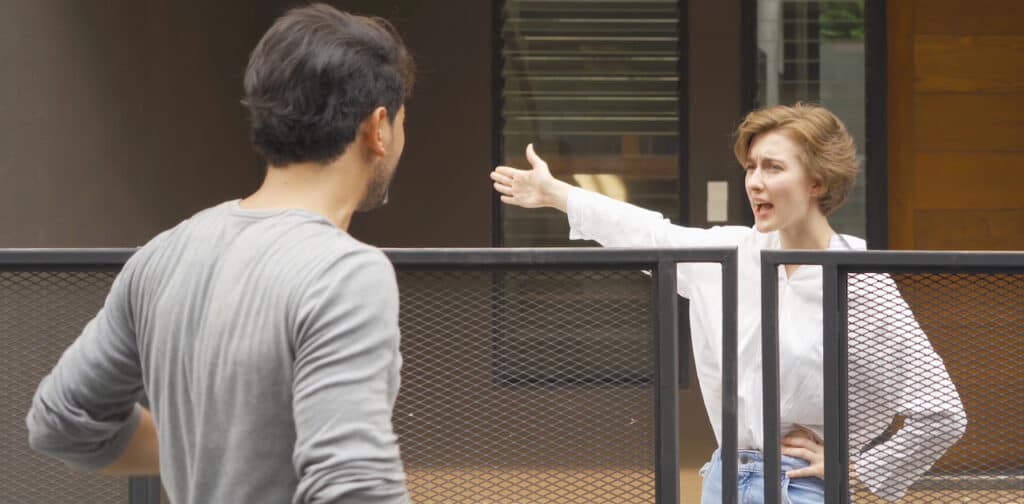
[{"x": 533, "y": 158}]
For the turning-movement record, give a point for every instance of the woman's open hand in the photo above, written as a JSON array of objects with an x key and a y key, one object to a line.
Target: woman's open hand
[{"x": 530, "y": 188}]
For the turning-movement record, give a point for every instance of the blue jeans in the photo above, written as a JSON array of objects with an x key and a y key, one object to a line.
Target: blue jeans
[{"x": 750, "y": 478}]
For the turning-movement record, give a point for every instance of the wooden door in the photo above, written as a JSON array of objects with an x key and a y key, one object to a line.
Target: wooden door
[
  {"x": 956, "y": 179},
  {"x": 956, "y": 124}
]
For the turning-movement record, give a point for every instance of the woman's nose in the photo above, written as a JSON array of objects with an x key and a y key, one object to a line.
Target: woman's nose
[{"x": 753, "y": 179}]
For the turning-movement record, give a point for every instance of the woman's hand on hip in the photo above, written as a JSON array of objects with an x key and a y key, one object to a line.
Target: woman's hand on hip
[{"x": 805, "y": 446}]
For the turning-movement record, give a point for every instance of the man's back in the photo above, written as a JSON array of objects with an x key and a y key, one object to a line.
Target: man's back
[
  {"x": 266, "y": 337},
  {"x": 268, "y": 343}
]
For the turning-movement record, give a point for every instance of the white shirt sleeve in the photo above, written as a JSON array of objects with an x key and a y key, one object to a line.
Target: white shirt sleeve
[
  {"x": 894, "y": 371},
  {"x": 614, "y": 223}
]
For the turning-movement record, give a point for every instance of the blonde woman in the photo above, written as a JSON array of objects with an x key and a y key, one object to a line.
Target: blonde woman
[{"x": 800, "y": 164}]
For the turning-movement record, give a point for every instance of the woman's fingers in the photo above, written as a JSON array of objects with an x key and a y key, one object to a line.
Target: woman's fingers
[
  {"x": 499, "y": 178},
  {"x": 503, "y": 189},
  {"x": 508, "y": 171},
  {"x": 801, "y": 453},
  {"x": 803, "y": 472},
  {"x": 799, "y": 441},
  {"x": 801, "y": 447}
]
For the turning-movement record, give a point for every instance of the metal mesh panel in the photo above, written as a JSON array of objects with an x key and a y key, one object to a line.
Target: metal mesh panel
[
  {"x": 41, "y": 313},
  {"x": 527, "y": 386},
  {"x": 975, "y": 324}
]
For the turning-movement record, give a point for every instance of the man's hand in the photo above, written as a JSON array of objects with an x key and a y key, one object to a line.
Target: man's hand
[
  {"x": 530, "y": 188},
  {"x": 142, "y": 455}
]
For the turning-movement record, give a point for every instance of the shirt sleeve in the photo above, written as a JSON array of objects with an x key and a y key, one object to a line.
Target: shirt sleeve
[
  {"x": 345, "y": 381},
  {"x": 904, "y": 377},
  {"x": 614, "y": 223},
  {"x": 85, "y": 411}
]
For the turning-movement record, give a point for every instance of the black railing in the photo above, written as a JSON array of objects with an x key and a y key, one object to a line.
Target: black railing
[
  {"x": 540, "y": 375},
  {"x": 46, "y": 298},
  {"x": 578, "y": 338},
  {"x": 966, "y": 308}
]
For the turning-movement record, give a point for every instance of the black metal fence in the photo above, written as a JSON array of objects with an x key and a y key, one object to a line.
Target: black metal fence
[
  {"x": 545, "y": 375},
  {"x": 923, "y": 382},
  {"x": 46, "y": 298}
]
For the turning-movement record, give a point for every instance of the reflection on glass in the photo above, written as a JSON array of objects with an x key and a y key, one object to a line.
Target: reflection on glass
[
  {"x": 594, "y": 86},
  {"x": 813, "y": 50}
]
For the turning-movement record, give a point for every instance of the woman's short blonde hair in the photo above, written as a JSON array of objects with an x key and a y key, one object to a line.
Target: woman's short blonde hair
[{"x": 827, "y": 150}]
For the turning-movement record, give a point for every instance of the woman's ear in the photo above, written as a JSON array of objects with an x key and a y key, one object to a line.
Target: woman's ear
[{"x": 818, "y": 188}]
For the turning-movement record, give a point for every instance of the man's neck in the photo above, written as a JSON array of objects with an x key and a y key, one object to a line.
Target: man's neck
[{"x": 333, "y": 190}]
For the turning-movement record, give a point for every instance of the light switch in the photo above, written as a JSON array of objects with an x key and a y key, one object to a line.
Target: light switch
[{"x": 718, "y": 201}]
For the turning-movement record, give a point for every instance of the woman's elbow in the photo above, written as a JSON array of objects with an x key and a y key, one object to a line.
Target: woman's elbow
[{"x": 958, "y": 419}]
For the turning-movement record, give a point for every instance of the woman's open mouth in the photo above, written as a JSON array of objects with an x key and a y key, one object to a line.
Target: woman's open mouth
[{"x": 763, "y": 209}]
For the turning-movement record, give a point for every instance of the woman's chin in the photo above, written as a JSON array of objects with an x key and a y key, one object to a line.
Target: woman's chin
[{"x": 764, "y": 227}]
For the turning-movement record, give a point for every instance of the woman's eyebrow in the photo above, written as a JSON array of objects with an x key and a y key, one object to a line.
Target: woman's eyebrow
[{"x": 765, "y": 159}]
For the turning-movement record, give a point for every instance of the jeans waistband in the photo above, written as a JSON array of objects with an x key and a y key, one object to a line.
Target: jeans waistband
[{"x": 753, "y": 461}]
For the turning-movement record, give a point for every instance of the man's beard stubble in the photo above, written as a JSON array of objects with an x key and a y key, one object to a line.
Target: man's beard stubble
[{"x": 377, "y": 189}]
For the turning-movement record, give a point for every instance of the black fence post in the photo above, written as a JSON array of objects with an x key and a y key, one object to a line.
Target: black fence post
[
  {"x": 730, "y": 373},
  {"x": 144, "y": 490},
  {"x": 666, "y": 379},
  {"x": 834, "y": 363},
  {"x": 770, "y": 368}
]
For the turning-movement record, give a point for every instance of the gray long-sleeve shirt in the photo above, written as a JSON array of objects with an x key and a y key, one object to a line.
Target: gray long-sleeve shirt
[{"x": 267, "y": 343}]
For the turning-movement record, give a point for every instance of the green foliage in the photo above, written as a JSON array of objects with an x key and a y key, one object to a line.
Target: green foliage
[{"x": 842, "y": 20}]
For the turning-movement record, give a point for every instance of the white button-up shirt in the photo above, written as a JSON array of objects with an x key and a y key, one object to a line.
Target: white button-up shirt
[{"x": 915, "y": 384}]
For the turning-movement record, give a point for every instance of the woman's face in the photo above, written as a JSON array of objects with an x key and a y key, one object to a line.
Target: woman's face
[{"x": 780, "y": 190}]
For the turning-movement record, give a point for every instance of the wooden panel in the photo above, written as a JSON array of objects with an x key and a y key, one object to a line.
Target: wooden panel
[
  {"x": 969, "y": 63},
  {"x": 968, "y": 17},
  {"x": 970, "y": 180},
  {"x": 969, "y": 229},
  {"x": 969, "y": 122},
  {"x": 900, "y": 19}
]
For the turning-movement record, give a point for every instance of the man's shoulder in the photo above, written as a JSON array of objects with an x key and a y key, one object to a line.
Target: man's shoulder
[{"x": 329, "y": 254}]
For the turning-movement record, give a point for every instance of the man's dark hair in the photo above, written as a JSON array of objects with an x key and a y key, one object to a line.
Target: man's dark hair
[{"x": 316, "y": 75}]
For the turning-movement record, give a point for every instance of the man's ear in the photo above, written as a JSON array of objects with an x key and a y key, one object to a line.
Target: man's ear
[{"x": 375, "y": 131}]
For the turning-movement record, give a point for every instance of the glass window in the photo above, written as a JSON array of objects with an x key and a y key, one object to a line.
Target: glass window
[
  {"x": 813, "y": 50},
  {"x": 594, "y": 86}
]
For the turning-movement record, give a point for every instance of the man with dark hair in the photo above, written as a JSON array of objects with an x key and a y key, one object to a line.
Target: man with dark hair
[{"x": 264, "y": 336}]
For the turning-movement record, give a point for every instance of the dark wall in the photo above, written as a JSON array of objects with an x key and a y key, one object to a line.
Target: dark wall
[
  {"x": 715, "y": 105},
  {"x": 120, "y": 119},
  {"x": 441, "y": 196}
]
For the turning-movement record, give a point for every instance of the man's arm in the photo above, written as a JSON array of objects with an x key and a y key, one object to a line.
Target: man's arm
[
  {"x": 142, "y": 455},
  {"x": 85, "y": 411},
  {"x": 345, "y": 380}
]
